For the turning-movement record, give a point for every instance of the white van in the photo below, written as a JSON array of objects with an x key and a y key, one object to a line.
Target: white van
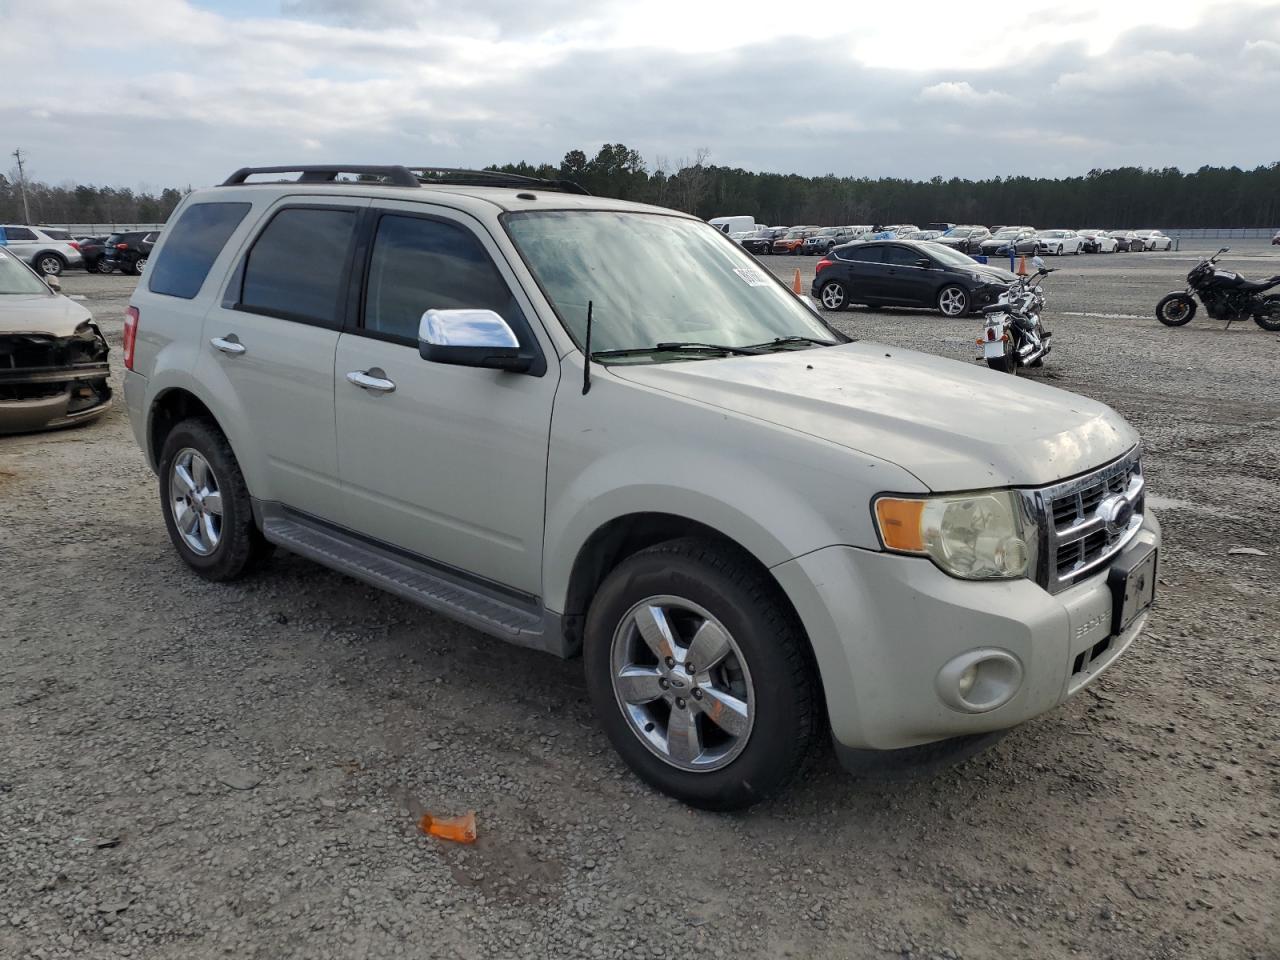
[{"x": 734, "y": 224}]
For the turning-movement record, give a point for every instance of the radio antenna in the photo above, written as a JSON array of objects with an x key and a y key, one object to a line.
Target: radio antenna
[{"x": 586, "y": 366}]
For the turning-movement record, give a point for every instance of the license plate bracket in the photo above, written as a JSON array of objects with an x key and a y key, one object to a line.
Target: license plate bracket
[{"x": 1133, "y": 586}]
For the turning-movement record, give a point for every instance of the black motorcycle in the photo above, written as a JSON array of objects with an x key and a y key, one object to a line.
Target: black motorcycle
[{"x": 1226, "y": 295}]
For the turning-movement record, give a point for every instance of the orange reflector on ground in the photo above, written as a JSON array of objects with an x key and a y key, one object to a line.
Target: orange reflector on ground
[
  {"x": 458, "y": 829},
  {"x": 900, "y": 523}
]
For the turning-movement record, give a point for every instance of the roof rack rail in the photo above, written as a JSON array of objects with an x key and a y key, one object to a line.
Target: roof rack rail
[
  {"x": 494, "y": 178},
  {"x": 396, "y": 176}
]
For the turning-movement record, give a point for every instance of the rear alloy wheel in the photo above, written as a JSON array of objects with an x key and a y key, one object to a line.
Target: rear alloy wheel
[
  {"x": 50, "y": 264},
  {"x": 833, "y": 295},
  {"x": 206, "y": 504},
  {"x": 1268, "y": 314},
  {"x": 141, "y": 264},
  {"x": 953, "y": 301},
  {"x": 701, "y": 674}
]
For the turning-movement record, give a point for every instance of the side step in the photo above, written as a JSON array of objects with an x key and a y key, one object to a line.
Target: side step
[{"x": 487, "y": 611}]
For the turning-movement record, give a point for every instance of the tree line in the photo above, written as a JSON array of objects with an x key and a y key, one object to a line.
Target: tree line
[
  {"x": 84, "y": 203},
  {"x": 1122, "y": 197}
]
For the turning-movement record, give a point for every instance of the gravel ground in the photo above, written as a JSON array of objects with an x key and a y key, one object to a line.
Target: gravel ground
[{"x": 191, "y": 770}]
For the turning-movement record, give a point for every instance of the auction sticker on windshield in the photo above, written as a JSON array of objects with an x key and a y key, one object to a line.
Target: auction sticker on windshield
[{"x": 752, "y": 278}]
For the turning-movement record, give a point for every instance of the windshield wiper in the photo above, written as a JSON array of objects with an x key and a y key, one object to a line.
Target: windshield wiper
[
  {"x": 676, "y": 347},
  {"x": 788, "y": 341}
]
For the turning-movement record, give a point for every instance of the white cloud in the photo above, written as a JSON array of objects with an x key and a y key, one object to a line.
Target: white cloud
[{"x": 914, "y": 91}]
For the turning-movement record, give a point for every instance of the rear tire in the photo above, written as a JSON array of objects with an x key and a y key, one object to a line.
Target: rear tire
[
  {"x": 50, "y": 264},
  {"x": 224, "y": 542},
  {"x": 1268, "y": 315},
  {"x": 762, "y": 661},
  {"x": 1176, "y": 309},
  {"x": 130, "y": 268},
  {"x": 1006, "y": 364},
  {"x": 833, "y": 295}
]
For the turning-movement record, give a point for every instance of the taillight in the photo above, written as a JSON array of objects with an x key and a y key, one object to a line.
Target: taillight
[
  {"x": 822, "y": 265},
  {"x": 73, "y": 245},
  {"x": 991, "y": 333},
  {"x": 130, "y": 335},
  {"x": 122, "y": 246}
]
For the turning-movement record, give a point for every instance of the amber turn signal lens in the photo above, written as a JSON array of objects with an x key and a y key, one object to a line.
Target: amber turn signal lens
[{"x": 899, "y": 522}]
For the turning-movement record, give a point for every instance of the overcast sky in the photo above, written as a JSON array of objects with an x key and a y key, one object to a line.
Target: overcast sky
[{"x": 176, "y": 92}]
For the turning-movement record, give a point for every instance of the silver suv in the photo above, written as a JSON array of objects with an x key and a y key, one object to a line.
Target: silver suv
[
  {"x": 589, "y": 426},
  {"x": 49, "y": 250}
]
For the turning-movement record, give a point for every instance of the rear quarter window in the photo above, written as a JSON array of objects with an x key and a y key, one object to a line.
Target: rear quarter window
[{"x": 194, "y": 243}]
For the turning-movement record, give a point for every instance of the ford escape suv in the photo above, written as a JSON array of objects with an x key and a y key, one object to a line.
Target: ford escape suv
[{"x": 589, "y": 426}]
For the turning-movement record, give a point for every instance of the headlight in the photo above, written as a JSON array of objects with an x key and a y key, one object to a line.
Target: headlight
[{"x": 974, "y": 536}]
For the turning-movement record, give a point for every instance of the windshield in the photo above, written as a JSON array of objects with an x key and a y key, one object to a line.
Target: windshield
[
  {"x": 1053, "y": 234},
  {"x": 950, "y": 256},
  {"x": 1003, "y": 234},
  {"x": 655, "y": 279},
  {"x": 958, "y": 232},
  {"x": 16, "y": 278}
]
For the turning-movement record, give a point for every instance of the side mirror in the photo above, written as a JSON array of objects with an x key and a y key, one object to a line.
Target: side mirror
[
  {"x": 924, "y": 262},
  {"x": 470, "y": 338},
  {"x": 53, "y": 283}
]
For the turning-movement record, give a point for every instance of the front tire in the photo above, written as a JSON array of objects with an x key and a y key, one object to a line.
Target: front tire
[
  {"x": 1176, "y": 309},
  {"x": 701, "y": 674},
  {"x": 833, "y": 295},
  {"x": 206, "y": 503},
  {"x": 953, "y": 301}
]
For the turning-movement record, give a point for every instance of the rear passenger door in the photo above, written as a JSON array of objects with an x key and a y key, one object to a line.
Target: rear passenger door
[
  {"x": 268, "y": 349},
  {"x": 861, "y": 270},
  {"x": 450, "y": 462}
]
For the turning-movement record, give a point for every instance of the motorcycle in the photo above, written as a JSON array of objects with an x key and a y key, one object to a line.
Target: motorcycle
[
  {"x": 1012, "y": 334},
  {"x": 1225, "y": 294}
]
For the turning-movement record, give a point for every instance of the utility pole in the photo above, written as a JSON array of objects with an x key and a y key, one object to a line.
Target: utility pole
[{"x": 22, "y": 185}]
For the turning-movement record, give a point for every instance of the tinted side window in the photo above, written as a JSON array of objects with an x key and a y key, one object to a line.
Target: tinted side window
[
  {"x": 418, "y": 265},
  {"x": 901, "y": 256},
  {"x": 298, "y": 264},
  {"x": 18, "y": 233},
  {"x": 196, "y": 241},
  {"x": 862, "y": 253}
]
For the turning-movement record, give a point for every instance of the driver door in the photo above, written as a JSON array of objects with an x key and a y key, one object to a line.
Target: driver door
[{"x": 450, "y": 463}]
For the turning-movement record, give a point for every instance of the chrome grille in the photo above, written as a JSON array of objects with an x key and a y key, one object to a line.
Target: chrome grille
[{"x": 1088, "y": 520}]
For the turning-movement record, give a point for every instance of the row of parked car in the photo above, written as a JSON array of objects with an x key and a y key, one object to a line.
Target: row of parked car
[
  {"x": 810, "y": 240},
  {"x": 51, "y": 250}
]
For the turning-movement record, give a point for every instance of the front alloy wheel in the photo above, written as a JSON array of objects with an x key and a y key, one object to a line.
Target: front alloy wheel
[
  {"x": 953, "y": 302},
  {"x": 682, "y": 683}
]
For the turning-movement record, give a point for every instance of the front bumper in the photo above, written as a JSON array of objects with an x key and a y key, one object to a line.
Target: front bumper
[
  {"x": 883, "y": 628},
  {"x": 48, "y": 382}
]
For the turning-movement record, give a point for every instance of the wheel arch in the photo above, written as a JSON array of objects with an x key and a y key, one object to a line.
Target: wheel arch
[
  {"x": 623, "y": 536},
  {"x": 168, "y": 409}
]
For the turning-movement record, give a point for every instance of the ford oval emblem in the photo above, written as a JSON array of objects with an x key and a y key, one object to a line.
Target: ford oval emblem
[{"x": 1115, "y": 512}]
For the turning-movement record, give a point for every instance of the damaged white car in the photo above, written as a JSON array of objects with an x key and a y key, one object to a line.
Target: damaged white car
[{"x": 53, "y": 357}]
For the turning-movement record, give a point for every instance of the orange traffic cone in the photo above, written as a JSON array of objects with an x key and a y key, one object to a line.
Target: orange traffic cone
[
  {"x": 1022, "y": 265},
  {"x": 796, "y": 284}
]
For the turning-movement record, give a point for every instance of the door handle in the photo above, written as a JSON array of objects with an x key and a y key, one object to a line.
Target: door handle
[
  {"x": 228, "y": 344},
  {"x": 373, "y": 379}
]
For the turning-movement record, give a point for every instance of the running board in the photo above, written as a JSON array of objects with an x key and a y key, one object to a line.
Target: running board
[{"x": 488, "y": 610}]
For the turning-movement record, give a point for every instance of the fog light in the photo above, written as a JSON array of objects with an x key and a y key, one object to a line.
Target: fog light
[
  {"x": 979, "y": 681},
  {"x": 967, "y": 679}
]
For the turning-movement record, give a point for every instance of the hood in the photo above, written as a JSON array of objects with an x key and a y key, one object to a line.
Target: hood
[
  {"x": 36, "y": 313},
  {"x": 952, "y": 425},
  {"x": 994, "y": 273}
]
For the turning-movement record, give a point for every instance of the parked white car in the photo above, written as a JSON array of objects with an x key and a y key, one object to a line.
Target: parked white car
[
  {"x": 1098, "y": 241},
  {"x": 1154, "y": 240},
  {"x": 1058, "y": 242},
  {"x": 48, "y": 249}
]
